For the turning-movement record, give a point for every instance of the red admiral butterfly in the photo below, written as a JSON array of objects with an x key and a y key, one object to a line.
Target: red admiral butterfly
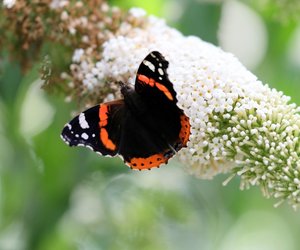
[{"x": 146, "y": 128}]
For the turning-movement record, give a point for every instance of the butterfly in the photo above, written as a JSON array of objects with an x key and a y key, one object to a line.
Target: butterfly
[{"x": 146, "y": 128}]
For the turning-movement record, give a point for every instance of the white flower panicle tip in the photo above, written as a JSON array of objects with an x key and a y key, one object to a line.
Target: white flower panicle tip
[{"x": 238, "y": 124}]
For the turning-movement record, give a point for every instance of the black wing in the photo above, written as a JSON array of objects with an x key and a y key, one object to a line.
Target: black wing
[
  {"x": 152, "y": 79},
  {"x": 140, "y": 146},
  {"x": 98, "y": 128},
  {"x": 147, "y": 143}
]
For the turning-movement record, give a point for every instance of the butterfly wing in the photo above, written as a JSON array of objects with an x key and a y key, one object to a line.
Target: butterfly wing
[
  {"x": 146, "y": 128},
  {"x": 152, "y": 137},
  {"x": 143, "y": 147},
  {"x": 152, "y": 79},
  {"x": 140, "y": 146},
  {"x": 98, "y": 128}
]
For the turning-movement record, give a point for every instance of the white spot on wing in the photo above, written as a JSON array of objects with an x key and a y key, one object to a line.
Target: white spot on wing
[
  {"x": 69, "y": 126},
  {"x": 149, "y": 65},
  {"x": 93, "y": 135},
  {"x": 84, "y": 136},
  {"x": 67, "y": 142},
  {"x": 160, "y": 71},
  {"x": 82, "y": 121},
  {"x": 87, "y": 146}
]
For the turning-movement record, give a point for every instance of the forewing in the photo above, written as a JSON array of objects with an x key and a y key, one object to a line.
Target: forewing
[
  {"x": 98, "y": 128},
  {"x": 152, "y": 78}
]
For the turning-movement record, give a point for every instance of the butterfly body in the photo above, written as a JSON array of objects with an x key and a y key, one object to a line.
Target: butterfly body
[{"x": 146, "y": 127}]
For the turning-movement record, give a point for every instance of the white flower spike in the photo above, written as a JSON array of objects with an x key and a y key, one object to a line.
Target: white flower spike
[{"x": 239, "y": 125}]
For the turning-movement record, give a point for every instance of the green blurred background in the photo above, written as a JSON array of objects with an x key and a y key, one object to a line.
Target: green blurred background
[{"x": 54, "y": 197}]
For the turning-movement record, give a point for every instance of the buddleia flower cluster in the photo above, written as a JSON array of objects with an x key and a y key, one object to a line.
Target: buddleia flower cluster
[{"x": 239, "y": 125}]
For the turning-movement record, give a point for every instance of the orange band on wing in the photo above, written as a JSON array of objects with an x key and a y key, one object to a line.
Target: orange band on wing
[
  {"x": 153, "y": 83},
  {"x": 143, "y": 78},
  {"x": 103, "y": 110},
  {"x": 184, "y": 133},
  {"x": 147, "y": 163},
  {"x": 103, "y": 120},
  {"x": 106, "y": 141},
  {"x": 165, "y": 90},
  {"x": 146, "y": 80}
]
